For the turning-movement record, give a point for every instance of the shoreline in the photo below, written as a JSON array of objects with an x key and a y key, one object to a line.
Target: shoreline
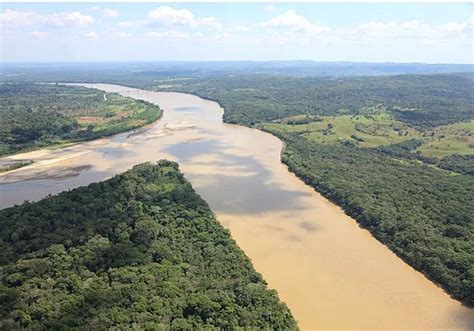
[
  {"x": 78, "y": 141},
  {"x": 304, "y": 274},
  {"x": 291, "y": 170}
]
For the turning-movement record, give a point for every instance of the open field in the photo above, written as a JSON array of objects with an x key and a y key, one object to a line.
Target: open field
[
  {"x": 456, "y": 138},
  {"x": 377, "y": 129},
  {"x": 369, "y": 130}
]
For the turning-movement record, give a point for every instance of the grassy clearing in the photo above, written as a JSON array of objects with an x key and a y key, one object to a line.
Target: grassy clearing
[
  {"x": 451, "y": 139},
  {"x": 117, "y": 114},
  {"x": 371, "y": 129},
  {"x": 376, "y": 127}
]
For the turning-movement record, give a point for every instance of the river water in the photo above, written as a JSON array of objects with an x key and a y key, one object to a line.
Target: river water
[{"x": 331, "y": 273}]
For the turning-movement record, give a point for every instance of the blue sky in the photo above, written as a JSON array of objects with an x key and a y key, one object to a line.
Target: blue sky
[{"x": 371, "y": 32}]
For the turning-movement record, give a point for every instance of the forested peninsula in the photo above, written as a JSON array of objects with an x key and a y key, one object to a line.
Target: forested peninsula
[
  {"x": 37, "y": 115},
  {"x": 138, "y": 251}
]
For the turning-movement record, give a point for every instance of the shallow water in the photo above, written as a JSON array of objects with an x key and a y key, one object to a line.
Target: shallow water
[{"x": 331, "y": 273}]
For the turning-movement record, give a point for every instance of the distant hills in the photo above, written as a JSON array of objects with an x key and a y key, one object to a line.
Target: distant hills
[{"x": 144, "y": 71}]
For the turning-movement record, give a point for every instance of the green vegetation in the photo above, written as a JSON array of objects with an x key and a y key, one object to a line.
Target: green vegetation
[
  {"x": 39, "y": 115},
  {"x": 422, "y": 213},
  {"x": 457, "y": 138},
  {"x": 142, "y": 74},
  {"x": 376, "y": 127},
  {"x": 370, "y": 129},
  {"x": 396, "y": 153},
  {"x": 421, "y": 101},
  {"x": 139, "y": 251}
]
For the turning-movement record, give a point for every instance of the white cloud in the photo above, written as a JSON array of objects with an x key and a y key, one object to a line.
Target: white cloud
[
  {"x": 39, "y": 34},
  {"x": 269, "y": 8},
  {"x": 286, "y": 34},
  {"x": 169, "y": 16},
  {"x": 198, "y": 35},
  {"x": 91, "y": 35},
  {"x": 18, "y": 18},
  {"x": 111, "y": 12},
  {"x": 211, "y": 22},
  {"x": 125, "y": 34},
  {"x": 294, "y": 22},
  {"x": 240, "y": 28},
  {"x": 455, "y": 27},
  {"x": 69, "y": 19},
  {"x": 167, "y": 35},
  {"x": 411, "y": 24},
  {"x": 130, "y": 24},
  {"x": 467, "y": 26},
  {"x": 414, "y": 29},
  {"x": 166, "y": 16},
  {"x": 11, "y": 18}
]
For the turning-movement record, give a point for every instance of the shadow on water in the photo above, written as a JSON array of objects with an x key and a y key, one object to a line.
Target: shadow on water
[
  {"x": 247, "y": 190},
  {"x": 308, "y": 226},
  {"x": 186, "y": 151},
  {"x": 188, "y": 109}
]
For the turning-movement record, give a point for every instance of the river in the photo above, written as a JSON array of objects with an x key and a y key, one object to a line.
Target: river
[{"x": 331, "y": 273}]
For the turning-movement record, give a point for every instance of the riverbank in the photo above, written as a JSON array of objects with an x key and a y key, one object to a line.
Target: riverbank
[
  {"x": 331, "y": 273},
  {"x": 38, "y": 116}
]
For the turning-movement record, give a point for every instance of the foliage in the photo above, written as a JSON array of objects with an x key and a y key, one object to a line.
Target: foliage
[
  {"x": 373, "y": 128},
  {"x": 456, "y": 138},
  {"x": 38, "y": 115},
  {"x": 423, "y": 214},
  {"x": 463, "y": 164},
  {"x": 422, "y": 101},
  {"x": 417, "y": 204},
  {"x": 139, "y": 251},
  {"x": 142, "y": 74}
]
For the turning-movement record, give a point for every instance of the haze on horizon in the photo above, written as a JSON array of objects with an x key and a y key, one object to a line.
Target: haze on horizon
[{"x": 374, "y": 32}]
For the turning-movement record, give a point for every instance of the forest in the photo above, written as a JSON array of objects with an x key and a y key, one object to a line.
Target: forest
[
  {"x": 422, "y": 213},
  {"x": 395, "y": 152},
  {"x": 143, "y": 74},
  {"x": 422, "y": 101},
  {"x": 39, "y": 115},
  {"x": 138, "y": 251}
]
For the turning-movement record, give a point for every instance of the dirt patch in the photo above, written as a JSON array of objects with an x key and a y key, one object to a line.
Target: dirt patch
[{"x": 90, "y": 120}]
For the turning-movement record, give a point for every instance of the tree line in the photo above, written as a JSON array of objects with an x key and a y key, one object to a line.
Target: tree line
[{"x": 139, "y": 251}]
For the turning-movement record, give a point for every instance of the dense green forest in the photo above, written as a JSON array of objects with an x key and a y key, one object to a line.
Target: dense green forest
[
  {"x": 386, "y": 149},
  {"x": 422, "y": 213},
  {"x": 396, "y": 152},
  {"x": 423, "y": 101},
  {"x": 142, "y": 74},
  {"x": 38, "y": 115},
  {"x": 139, "y": 251}
]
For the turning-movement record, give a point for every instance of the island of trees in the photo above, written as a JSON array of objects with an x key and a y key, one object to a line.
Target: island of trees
[
  {"x": 39, "y": 115},
  {"x": 138, "y": 251}
]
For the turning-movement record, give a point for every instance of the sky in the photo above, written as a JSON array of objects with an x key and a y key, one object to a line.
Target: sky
[{"x": 370, "y": 32}]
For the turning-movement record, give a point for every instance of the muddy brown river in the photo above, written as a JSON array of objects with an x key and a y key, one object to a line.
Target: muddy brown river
[{"x": 331, "y": 273}]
